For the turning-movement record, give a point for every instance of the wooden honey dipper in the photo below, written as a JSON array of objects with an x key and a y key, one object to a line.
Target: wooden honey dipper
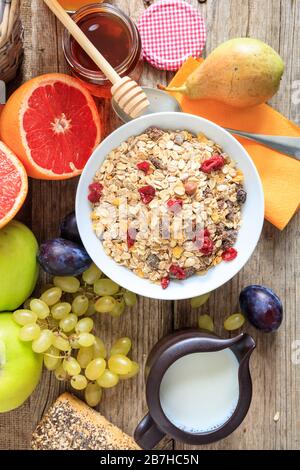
[{"x": 126, "y": 92}]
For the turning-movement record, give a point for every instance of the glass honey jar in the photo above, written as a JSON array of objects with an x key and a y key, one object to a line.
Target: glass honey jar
[{"x": 115, "y": 35}]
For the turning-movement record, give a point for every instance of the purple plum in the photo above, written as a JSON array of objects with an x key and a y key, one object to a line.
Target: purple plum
[{"x": 262, "y": 307}]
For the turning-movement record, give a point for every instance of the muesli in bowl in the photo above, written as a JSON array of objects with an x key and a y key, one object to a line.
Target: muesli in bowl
[{"x": 167, "y": 204}]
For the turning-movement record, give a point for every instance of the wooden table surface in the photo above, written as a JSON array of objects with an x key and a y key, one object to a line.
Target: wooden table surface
[{"x": 275, "y": 262}]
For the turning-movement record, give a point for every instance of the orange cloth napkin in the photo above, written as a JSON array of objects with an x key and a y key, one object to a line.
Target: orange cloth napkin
[{"x": 279, "y": 173}]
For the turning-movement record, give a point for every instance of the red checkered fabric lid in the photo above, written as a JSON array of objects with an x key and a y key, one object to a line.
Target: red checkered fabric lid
[{"x": 171, "y": 31}]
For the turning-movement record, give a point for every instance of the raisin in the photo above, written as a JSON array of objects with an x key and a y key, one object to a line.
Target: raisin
[
  {"x": 216, "y": 162},
  {"x": 241, "y": 196},
  {"x": 153, "y": 261},
  {"x": 189, "y": 272},
  {"x": 165, "y": 281},
  {"x": 207, "y": 193},
  {"x": 154, "y": 133},
  {"x": 95, "y": 192},
  {"x": 143, "y": 166},
  {"x": 147, "y": 194},
  {"x": 229, "y": 254},
  {"x": 229, "y": 238},
  {"x": 156, "y": 162}
]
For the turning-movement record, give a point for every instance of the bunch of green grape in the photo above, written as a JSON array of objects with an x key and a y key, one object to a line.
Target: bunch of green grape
[{"x": 59, "y": 326}]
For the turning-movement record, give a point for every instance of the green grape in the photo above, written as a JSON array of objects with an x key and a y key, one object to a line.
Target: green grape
[
  {"x": 134, "y": 371},
  {"x": 234, "y": 322},
  {"x": 105, "y": 287},
  {"x": 85, "y": 325},
  {"x": 86, "y": 339},
  {"x": 40, "y": 308},
  {"x": 24, "y": 316},
  {"x": 205, "y": 322},
  {"x": 60, "y": 310},
  {"x": 95, "y": 368},
  {"x": 119, "y": 364},
  {"x": 79, "y": 382},
  {"x": 108, "y": 379},
  {"x": 71, "y": 366},
  {"x": 91, "y": 274},
  {"x": 130, "y": 298},
  {"x": 85, "y": 356},
  {"x": 80, "y": 305},
  {"x": 196, "y": 302},
  {"x": 43, "y": 342},
  {"x": 118, "y": 309},
  {"x": 68, "y": 284},
  {"x": 29, "y": 332},
  {"x": 60, "y": 373},
  {"x": 99, "y": 349},
  {"x": 91, "y": 309},
  {"x": 121, "y": 346},
  {"x": 93, "y": 394},
  {"x": 51, "y": 296},
  {"x": 61, "y": 342},
  {"x": 68, "y": 323},
  {"x": 105, "y": 304},
  {"x": 51, "y": 363}
]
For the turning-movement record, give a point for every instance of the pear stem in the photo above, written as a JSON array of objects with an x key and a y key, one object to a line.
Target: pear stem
[{"x": 173, "y": 89}]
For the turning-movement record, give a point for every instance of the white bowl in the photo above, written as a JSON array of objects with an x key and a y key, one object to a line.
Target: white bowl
[{"x": 253, "y": 209}]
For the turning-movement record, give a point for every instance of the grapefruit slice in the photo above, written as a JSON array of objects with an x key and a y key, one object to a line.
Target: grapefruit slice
[
  {"x": 13, "y": 185},
  {"x": 52, "y": 124}
]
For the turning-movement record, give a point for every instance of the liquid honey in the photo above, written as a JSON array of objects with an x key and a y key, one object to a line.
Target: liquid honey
[
  {"x": 73, "y": 5},
  {"x": 108, "y": 34}
]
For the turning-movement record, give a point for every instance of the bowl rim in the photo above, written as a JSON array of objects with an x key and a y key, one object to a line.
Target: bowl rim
[{"x": 161, "y": 294}]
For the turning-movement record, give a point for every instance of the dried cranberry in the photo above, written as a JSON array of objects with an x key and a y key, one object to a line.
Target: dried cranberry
[
  {"x": 143, "y": 166},
  {"x": 207, "y": 246},
  {"x": 200, "y": 235},
  {"x": 177, "y": 271},
  {"x": 130, "y": 240},
  {"x": 95, "y": 192},
  {"x": 216, "y": 162},
  {"x": 229, "y": 254},
  {"x": 165, "y": 281},
  {"x": 175, "y": 205},
  {"x": 147, "y": 193}
]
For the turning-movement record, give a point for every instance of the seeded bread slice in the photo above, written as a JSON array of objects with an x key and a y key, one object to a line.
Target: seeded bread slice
[{"x": 72, "y": 425}]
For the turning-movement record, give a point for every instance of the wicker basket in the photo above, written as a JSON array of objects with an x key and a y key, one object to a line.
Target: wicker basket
[{"x": 11, "y": 41}]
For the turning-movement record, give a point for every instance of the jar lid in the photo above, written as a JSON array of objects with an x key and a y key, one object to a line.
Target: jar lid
[{"x": 171, "y": 31}]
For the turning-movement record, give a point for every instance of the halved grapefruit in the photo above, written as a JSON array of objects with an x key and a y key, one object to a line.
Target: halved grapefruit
[
  {"x": 13, "y": 185},
  {"x": 52, "y": 124}
]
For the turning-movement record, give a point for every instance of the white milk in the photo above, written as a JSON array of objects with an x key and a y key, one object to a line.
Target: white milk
[{"x": 199, "y": 392}]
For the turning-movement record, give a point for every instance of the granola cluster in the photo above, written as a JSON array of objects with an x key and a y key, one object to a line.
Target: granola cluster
[{"x": 167, "y": 204}]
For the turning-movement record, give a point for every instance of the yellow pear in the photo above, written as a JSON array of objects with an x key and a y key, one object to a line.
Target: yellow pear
[{"x": 240, "y": 72}]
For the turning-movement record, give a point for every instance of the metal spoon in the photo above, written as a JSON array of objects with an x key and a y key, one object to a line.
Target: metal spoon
[{"x": 162, "y": 101}]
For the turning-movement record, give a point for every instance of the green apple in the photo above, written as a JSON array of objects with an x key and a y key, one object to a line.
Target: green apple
[
  {"x": 18, "y": 265},
  {"x": 20, "y": 367}
]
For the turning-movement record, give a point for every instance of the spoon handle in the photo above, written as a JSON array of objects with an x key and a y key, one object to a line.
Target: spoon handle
[
  {"x": 83, "y": 41},
  {"x": 287, "y": 145}
]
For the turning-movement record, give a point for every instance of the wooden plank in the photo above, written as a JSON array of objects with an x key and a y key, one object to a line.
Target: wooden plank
[{"x": 274, "y": 263}]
